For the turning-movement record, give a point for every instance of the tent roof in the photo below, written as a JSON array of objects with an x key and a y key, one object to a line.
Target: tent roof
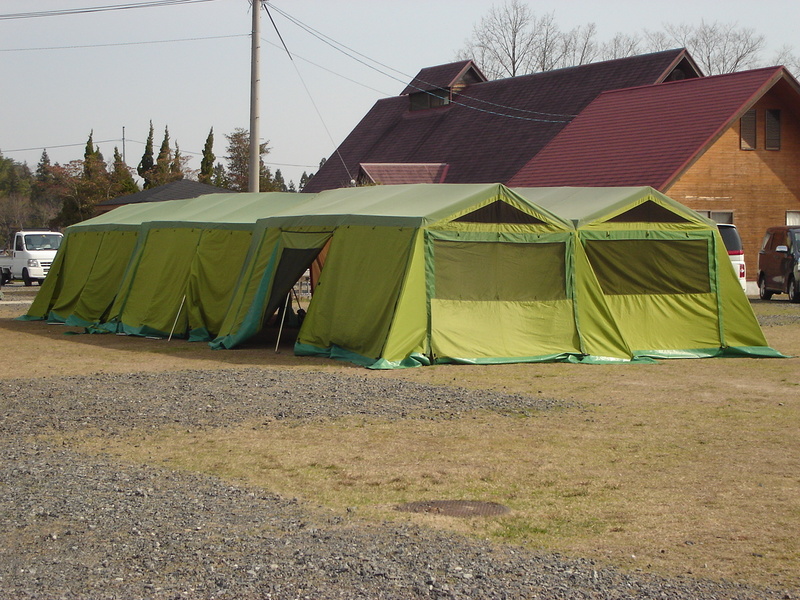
[
  {"x": 232, "y": 208},
  {"x": 411, "y": 205},
  {"x": 175, "y": 190},
  {"x": 584, "y": 205},
  {"x": 639, "y": 136},
  {"x": 402, "y": 205}
]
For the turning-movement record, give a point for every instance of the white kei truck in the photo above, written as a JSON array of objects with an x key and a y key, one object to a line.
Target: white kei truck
[{"x": 30, "y": 256}]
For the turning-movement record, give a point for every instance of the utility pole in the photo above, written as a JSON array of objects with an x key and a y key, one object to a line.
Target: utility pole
[{"x": 255, "y": 154}]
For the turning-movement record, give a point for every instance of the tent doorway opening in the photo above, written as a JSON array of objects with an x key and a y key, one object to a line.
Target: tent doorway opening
[{"x": 290, "y": 296}]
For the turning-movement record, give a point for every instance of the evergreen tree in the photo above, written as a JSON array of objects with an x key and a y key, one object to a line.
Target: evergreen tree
[
  {"x": 278, "y": 184},
  {"x": 304, "y": 179},
  {"x": 219, "y": 177},
  {"x": 43, "y": 178},
  {"x": 94, "y": 165},
  {"x": 176, "y": 166},
  {"x": 146, "y": 165},
  {"x": 239, "y": 162},
  {"x": 121, "y": 177},
  {"x": 164, "y": 160},
  {"x": 207, "y": 164}
]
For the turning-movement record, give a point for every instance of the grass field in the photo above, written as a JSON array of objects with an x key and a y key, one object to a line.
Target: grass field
[{"x": 682, "y": 467}]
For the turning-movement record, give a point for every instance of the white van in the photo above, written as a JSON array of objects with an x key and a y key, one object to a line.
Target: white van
[{"x": 730, "y": 236}]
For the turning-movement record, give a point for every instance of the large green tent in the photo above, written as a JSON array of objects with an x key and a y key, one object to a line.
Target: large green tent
[{"x": 419, "y": 274}]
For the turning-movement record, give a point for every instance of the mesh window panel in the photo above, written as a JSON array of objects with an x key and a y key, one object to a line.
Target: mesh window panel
[
  {"x": 650, "y": 266},
  {"x": 499, "y": 271}
]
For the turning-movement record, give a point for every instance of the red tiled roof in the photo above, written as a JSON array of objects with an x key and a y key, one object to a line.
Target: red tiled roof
[
  {"x": 402, "y": 173},
  {"x": 646, "y": 135},
  {"x": 491, "y": 129}
]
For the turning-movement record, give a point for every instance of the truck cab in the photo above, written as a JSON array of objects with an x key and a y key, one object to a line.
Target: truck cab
[{"x": 30, "y": 256}]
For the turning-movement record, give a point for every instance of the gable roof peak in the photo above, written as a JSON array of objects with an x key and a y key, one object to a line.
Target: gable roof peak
[{"x": 445, "y": 77}]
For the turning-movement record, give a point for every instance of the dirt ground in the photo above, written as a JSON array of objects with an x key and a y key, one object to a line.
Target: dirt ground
[{"x": 709, "y": 446}]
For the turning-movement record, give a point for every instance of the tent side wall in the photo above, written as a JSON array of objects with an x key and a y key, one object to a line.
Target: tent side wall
[
  {"x": 501, "y": 297},
  {"x": 102, "y": 282},
  {"x": 213, "y": 273},
  {"x": 407, "y": 340},
  {"x": 180, "y": 280},
  {"x": 354, "y": 303}
]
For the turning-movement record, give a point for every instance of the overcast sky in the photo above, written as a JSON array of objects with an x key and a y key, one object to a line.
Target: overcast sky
[{"x": 187, "y": 67}]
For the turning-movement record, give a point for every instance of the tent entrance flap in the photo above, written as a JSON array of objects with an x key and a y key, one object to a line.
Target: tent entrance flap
[
  {"x": 278, "y": 263},
  {"x": 291, "y": 266}
]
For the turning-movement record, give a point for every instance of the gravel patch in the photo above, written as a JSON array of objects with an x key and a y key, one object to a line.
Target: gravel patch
[{"x": 80, "y": 526}]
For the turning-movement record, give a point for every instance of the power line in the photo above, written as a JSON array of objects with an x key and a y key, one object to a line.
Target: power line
[
  {"x": 338, "y": 46},
  {"x": 195, "y": 39},
  {"x": 94, "y": 9},
  {"x": 310, "y": 97}
]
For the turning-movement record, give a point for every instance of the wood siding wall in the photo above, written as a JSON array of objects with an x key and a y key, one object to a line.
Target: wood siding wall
[{"x": 758, "y": 186}]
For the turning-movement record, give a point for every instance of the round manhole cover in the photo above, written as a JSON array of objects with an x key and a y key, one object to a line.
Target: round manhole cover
[{"x": 455, "y": 508}]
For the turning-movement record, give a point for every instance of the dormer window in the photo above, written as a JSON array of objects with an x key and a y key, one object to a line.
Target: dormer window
[
  {"x": 429, "y": 99},
  {"x": 434, "y": 87}
]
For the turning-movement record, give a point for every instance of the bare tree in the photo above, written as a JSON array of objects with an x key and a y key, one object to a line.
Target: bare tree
[
  {"x": 621, "y": 45},
  {"x": 503, "y": 42},
  {"x": 719, "y": 47},
  {"x": 580, "y": 46},
  {"x": 785, "y": 56},
  {"x": 511, "y": 40},
  {"x": 548, "y": 44}
]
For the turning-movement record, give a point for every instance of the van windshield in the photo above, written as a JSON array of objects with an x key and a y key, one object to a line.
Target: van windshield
[{"x": 42, "y": 241}]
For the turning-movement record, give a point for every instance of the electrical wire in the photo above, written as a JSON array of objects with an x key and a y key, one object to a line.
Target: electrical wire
[
  {"x": 310, "y": 96},
  {"x": 94, "y": 9},
  {"x": 75, "y": 47},
  {"x": 338, "y": 46}
]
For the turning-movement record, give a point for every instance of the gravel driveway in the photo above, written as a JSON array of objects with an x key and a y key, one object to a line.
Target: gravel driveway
[{"x": 80, "y": 526}]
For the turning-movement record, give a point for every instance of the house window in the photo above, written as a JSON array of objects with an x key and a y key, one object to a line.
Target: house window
[
  {"x": 718, "y": 216},
  {"x": 747, "y": 130},
  {"x": 773, "y": 129},
  {"x": 793, "y": 217},
  {"x": 431, "y": 99}
]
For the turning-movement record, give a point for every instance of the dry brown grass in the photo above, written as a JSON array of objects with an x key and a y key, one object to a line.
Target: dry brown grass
[{"x": 680, "y": 467}]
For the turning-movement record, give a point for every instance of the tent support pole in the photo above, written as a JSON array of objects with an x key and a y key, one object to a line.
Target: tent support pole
[
  {"x": 283, "y": 318},
  {"x": 175, "y": 324}
]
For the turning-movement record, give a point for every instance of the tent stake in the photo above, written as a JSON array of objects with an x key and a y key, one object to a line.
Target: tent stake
[
  {"x": 283, "y": 317},
  {"x": 175, "y": 324}
]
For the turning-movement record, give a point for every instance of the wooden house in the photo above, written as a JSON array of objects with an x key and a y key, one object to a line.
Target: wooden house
[{"x": 727, "y": 146}]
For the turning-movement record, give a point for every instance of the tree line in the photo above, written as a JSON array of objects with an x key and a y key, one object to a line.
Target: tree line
[{"x": 56, "y": 196}]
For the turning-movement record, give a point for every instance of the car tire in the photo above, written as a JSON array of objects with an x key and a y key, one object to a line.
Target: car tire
[
  {"x": 763, "y": 292},
  {"x": 26, "y": 278},
  {"x": 793, "y": 291}
]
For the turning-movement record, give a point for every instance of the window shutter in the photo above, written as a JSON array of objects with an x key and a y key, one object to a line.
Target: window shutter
[
  {"x": 747, "y": 130},
  {"x": 773, "y": 137}
]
